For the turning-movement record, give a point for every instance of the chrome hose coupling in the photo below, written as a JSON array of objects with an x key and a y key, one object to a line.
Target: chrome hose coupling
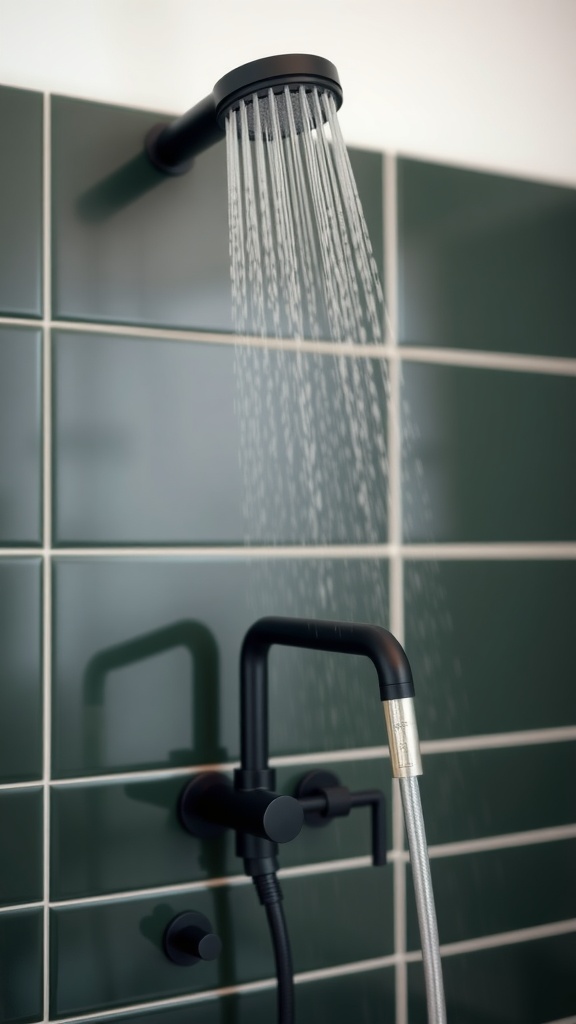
[{"x": 403, "y": 737}]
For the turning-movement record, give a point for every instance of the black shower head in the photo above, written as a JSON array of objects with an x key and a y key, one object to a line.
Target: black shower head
[
  {"x": 292, "y": 70},
  {"x": 171, "y": 147}
]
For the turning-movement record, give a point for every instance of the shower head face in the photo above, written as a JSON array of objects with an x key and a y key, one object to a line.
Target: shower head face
[{"x": 289, "y": 71}]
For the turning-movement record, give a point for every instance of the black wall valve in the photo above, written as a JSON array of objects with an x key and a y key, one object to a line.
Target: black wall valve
[
  {"x": 209, "y": 804},
  {"x": 189, "y": 939},
  {"x": 323, "y": 797}
]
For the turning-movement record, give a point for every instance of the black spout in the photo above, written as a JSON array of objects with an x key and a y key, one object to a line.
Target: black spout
[{"x": 375, "y": 642}]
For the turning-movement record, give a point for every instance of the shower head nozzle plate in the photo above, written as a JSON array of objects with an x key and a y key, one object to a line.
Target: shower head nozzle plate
[{"x": 259, "y": 76}]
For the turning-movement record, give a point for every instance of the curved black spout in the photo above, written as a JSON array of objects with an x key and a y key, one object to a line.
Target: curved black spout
[{"x": 375, "y": 642}]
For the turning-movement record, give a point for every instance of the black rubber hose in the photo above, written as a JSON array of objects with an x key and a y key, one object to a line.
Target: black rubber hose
[{"x": 270, "y": 896}]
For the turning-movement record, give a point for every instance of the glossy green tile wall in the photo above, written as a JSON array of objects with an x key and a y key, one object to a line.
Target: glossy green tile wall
[
  {"x": 21, "y": 850},
  {"x": 461, "y": 884},
  {"x": 121, "y": 469},
  {"x": 127, "y": 964},
  {"x": 370, "y": 993},
  {"x": 119, "y": 836},
  {"x": 157, "y": 247},
  {"x": 21, "y": 949},
  {"x": 478, "y": 672},
  {"x": 530, "y": 982},
  {"x": 492, "y": 444},
  {"x": 485, "y": 261},
  {"x": 163, "y": 399},
  {"x": 479, "y": 793}
]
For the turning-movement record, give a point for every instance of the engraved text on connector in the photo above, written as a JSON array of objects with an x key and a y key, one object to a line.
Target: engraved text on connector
[{"x": 403, "y": 737}]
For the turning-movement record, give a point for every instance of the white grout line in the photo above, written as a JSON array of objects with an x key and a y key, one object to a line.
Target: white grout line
[
  {"x": 511, "y": 938},
  {"x": 9, "y": 786},
  {"x": 312, "y": 869},
  {"x": 510, "y": 840},
  {"x": 479, "y": 360},
  {"x": 47, "y": 539},
  {"x": 173, "y": 1002},
  {"x": 155, "y": 891},
  {"x": 474, "y": 358},
  {"x": 338, "y": 971},
  {"x": 335, "y": 756},
  {"x": 12, "y": 908},
  {"x": 499, "y": 740},
  {"x": 542, "y": 931},
  {"x": 396, "y": 567},
  {"x": 458, "y": 744},
  {"x": 502, "y": 551},
  {"x": 565, "y": 1020},
  {"x": 505, "y": 551}
]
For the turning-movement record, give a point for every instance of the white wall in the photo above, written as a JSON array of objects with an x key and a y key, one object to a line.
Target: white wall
[{"x": 489, "y": 83}]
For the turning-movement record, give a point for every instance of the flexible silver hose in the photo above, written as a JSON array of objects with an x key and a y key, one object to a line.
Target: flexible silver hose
[{"x": 410, "y": 793}]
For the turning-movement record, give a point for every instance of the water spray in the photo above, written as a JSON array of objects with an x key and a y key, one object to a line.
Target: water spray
[{"x": 295, "y": 215}]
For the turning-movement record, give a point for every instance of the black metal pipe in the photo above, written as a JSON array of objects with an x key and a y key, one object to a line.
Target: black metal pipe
[
  {"x": 374, "y": 642},
  {"x": 172, "y": 147}
]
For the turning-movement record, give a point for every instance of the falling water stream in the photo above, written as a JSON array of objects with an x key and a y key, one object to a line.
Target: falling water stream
[{"x": 312, "y": 423}]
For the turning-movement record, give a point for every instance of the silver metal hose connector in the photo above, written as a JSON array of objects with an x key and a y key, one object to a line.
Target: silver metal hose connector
[{"x": 403, "y": 739}]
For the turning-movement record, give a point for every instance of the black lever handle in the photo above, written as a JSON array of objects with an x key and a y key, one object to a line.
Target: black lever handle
[
  {"x": 209, "y": 805},
  {"x": 323, "y": 797}
]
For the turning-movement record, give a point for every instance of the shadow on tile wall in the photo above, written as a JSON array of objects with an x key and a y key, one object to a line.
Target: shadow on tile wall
[{"x": 126, "y": 586}]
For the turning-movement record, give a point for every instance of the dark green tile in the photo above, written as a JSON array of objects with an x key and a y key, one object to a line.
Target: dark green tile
[
  {"x": 138, "y": 420},
  {"x": 21, "y": 944},
  {"x": 21, "y": 847},
  {"x": 20, "y": 436},
  {"x": 499, "y": 891},
  {"x": 328, "y": 916},
  {"x": 530, "y": 983},
  {"x": 485, "y": 261},
  {"x": 248, "y": 445},
  {"x": 491, "y": 792},
  {"x": 133, "y": 246},
  {"x": 120, "y": 836},
  {"x": 20, "y": 670},
  {"x": 488, "y": 641},
  {"x": 21, "y": 203},
  {"x": 367, "y": 996},
  {"x": 488, "y": 455},
  {"x": 146, "y": 659}
]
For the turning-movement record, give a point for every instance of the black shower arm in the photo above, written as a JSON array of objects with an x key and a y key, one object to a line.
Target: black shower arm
[{"x": 374, "y": 642}]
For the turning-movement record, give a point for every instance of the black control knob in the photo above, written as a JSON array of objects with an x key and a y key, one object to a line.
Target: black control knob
[
  {"x": 209, "y": 805},
  {"x": 189, "y": 939}
]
